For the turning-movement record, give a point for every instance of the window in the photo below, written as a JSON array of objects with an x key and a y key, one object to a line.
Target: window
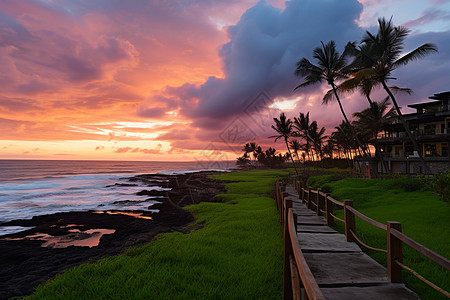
[
  {"x": 430, "y": 150},
  {"x": 444, "y": 149},
  {"x": 429, "y": 129}
]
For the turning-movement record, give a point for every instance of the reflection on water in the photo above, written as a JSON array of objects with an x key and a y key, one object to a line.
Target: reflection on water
[
  {"x": 88, "y": 238},
  {"x": 125, "y": 213}
]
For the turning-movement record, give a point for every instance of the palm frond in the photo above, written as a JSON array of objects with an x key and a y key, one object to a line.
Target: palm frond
[{"x": 416, "y": 54}]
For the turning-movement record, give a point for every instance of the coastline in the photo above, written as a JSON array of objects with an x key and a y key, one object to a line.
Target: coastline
[{"x": 24, "y": 263}]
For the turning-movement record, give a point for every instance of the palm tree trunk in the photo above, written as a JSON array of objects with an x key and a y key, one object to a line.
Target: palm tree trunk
[
  {"x": 383, "y": 162},
  {"x": 375, "y": 171},
  {"x": 290, "y": 154},
  {"x": 408, "y": 132}
]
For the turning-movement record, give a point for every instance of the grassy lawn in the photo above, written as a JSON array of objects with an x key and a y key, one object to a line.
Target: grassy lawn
[
  {"x": 237, "y": 254},
  {"x": 423, "y": 216}
]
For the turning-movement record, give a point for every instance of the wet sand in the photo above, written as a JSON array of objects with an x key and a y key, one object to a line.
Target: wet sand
[{"x": 33, "y": 256}]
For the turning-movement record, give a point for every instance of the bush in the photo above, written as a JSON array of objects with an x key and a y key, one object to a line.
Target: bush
[
  {"x": 408, "y": 184},
  {"x": 440, "y": 185}
]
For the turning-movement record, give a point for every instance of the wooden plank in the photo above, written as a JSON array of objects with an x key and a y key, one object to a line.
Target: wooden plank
[
  {"x": 311, "y": 220},
  {"x": 345, "y": 268},
  {"x": 388, "y": 292},
  {"x": 316, "y": 229},
  {"x": 323, "y": 242}
]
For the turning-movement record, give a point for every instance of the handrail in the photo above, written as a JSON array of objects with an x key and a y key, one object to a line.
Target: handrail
[
  {"x": 422, "y": 249},
  {"x": 440, "y": 290},
  {"x": 367, "y": 219},
  {"x": 309, "y": 282},
  {"x": 394, "y": 237},
  {"x": 365, "y": 245},
  {"x": 335, "y": 201},
  {"x": 337, "y": 218}
]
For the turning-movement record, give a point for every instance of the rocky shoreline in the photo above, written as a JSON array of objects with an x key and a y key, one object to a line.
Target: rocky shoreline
[{"x": 25, "y": 263}]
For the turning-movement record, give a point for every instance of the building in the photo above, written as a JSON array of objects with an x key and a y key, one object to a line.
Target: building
[{"x": 430, "y": 127}]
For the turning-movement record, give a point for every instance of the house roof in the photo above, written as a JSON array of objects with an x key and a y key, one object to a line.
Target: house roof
[
  {"x": 444, "y": 96},
  {"x": 441, "y": 96}
]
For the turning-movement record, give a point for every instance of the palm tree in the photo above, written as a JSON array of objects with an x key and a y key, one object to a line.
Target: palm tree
[
  {"x": 317, "y": 138},
  {"x": 284, "y": 129},
  {"x": 329, "y": 148},
  {"x": 385, "y": 52},
  {"x": 302, "y": 125},
  {"x": 296, "y": 146},
  {"x": 332, "y": 67},
  {"x": 372, "y": 120},
  {"x": 343, "y": 138}
]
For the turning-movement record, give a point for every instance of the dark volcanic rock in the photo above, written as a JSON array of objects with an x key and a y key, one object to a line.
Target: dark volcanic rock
[
  {"x": 150, "y": 193},
  {"x": 24, "y": 263}
]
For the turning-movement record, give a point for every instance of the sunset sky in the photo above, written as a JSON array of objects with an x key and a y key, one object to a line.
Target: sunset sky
[{"x": 184, "y": 80}]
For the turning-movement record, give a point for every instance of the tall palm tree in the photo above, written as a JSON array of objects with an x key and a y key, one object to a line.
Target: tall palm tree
[
  {"x": 385, "y": 52},
  {"x": 371, "y": 120},
  {"x": 284, "y": 129},
  {"x": 331, "y": 68}
]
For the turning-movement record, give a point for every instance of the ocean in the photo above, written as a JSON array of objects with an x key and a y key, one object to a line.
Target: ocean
[{"x": 38, "y": 187}]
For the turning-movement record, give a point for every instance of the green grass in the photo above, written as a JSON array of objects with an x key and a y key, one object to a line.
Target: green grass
[
  {"x": 423, "y": 216},
  {"x": 237, "y": 254}
]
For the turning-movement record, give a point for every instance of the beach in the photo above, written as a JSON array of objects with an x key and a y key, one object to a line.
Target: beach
[{"x": 58, "y": 241}]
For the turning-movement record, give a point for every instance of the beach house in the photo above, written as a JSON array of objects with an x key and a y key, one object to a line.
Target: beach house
[{"x": 430, "y": 127}]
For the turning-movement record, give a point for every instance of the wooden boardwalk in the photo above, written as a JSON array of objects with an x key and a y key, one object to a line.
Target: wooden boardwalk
[{"x": 341, "y": 269}]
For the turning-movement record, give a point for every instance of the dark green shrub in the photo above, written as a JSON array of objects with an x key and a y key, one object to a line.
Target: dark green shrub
[
  {"x": 440, "y": 185},
  {"x": 408, "y": 184}
]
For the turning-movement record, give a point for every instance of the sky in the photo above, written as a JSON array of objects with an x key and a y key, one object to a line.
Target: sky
[{"x": 185, "y": 80}]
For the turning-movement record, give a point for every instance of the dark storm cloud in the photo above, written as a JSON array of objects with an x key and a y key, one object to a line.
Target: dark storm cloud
[{"x": 263, "y": 49}]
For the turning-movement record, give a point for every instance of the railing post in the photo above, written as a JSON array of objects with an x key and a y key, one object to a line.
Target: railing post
[
  {"x": 308, "y": 203},
  {"x": 284, "y": 195},
  {"x": 287, "y": 251},
  {"x": 295, "y": 220},
  {"x": 394, "y": 252},
  {"x": 349, "y": 218},
  {"x": 277, "y": 195},
  {"x": 302, "y": 194},
  {"x": 320, "y": 203},
  {"x": 329, "y": 210}
]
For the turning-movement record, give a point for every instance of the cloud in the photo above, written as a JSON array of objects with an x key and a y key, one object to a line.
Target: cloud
[
  {"x": 156, "y": 150},
  {"x": 99, "y": 148},
  {"x": 261, "y": 55},
  {"x": 428, "y": 16}
]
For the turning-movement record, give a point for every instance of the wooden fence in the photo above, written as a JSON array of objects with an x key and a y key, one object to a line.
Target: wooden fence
[
  {"x": 325, "y": 205},
  {"x": 298, "y": 281}
]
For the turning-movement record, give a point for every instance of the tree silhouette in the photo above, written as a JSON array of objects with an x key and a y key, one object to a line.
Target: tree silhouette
[
  {"x": 384, "y": 53},
  {"x": 284, "y": 129}
]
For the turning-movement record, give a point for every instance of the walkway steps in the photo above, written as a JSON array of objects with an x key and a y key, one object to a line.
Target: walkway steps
[{"x": 340, "y": 268}]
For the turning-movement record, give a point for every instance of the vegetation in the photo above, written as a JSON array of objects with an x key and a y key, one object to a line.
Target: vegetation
[
  {"x": 268, "y": 158},
  {"x": 424, "y": 218},
  {"x": 440, "y": 185},
  {"x": 236, "y": 253},
  {"x": 284, "y": 129},
  {"x": 360, "y": 68}
]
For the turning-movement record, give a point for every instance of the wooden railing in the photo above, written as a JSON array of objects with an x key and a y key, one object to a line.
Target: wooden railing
[
  {"x": 324, "y": 205},
  {"x": 298, "y": 281}
]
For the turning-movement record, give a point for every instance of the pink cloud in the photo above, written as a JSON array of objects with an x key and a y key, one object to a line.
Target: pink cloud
[{"x": 156, "y": 150}]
